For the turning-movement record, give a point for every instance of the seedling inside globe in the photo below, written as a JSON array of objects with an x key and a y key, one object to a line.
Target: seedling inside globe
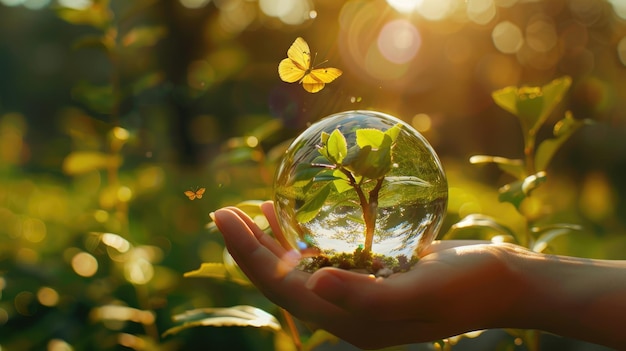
[{"x": 360, "y": 190}]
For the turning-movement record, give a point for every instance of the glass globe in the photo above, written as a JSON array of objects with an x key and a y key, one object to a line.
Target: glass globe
[{"x": 360, "y": 190}]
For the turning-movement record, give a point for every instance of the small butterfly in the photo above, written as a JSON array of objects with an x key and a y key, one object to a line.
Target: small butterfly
[
  {"x": 297, "y": 68},
  {"x": 195, "y": 194}
]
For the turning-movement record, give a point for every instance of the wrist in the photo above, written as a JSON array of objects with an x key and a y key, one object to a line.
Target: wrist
[{"x": 572, "y": 297}]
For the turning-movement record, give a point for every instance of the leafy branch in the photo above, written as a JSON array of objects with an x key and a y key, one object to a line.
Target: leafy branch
[
  {"x": 361, "y": 168},
  {"x": 532, "y": 106}
]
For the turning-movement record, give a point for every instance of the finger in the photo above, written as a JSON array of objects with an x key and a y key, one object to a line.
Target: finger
[
  {"x": 262, "y": 237},
  {"x": 269, "y": 212},
  {"x": 275, "y": 276},
  {"x": 383, "y": 299}
]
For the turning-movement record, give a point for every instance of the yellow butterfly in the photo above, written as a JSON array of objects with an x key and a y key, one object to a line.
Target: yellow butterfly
[
  {"x": 193, "y": 194},
  {"x": 297, "y": 68}
]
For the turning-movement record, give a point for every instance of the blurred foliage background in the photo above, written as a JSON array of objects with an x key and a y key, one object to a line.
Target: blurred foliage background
[{"x": 110, "y": 110}]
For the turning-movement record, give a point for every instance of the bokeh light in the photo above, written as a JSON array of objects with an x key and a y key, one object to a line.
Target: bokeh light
[
  {"x": 437, "y": 10},
  {"x": 84, "y": 264},
  {"x": 194, "y": 4},
  {"x": 621, "y": 50},
  {"x": 47, "y": 296},
  {"x": 481, "y": 11},
  {"x": 541, "y": 35},
  {"x": 76, "y": 4},
  {"x": 421, "y": 122},
  {"x": 399, "y": 41},
  {"x": 507, "y": 37},
  {"x": 292, "y": 12},
  {"x": 619, "y": 6},
  {"x": 405, "y": 6},
  {"x": 59, "y": 345}
]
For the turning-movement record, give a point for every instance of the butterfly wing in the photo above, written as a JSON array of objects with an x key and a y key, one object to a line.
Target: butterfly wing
[
  {"x": 317, "y": 78},
  {"x": 297, "y": 63},
  {"x": 190, "y": 194},
  {"x": 200, "y": 192},
  {"x": 289, "y": 72}
]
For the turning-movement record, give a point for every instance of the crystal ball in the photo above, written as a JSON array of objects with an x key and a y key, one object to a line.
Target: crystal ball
[{"x": 360, "y": 190}]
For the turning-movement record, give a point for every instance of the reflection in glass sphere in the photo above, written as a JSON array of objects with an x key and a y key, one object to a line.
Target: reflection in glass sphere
[{"x": 360, "y": 190}]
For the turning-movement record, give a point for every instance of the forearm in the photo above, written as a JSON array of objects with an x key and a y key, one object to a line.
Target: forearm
[{"x": 573, "y": 297}]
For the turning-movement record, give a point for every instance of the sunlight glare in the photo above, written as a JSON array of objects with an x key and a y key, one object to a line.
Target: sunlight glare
[
  {"x": 619, "y": 6},
  {"x": 405, "y": 6},
  {"x": 436, "y": 10},
  {"x": 399, "y": 41}
]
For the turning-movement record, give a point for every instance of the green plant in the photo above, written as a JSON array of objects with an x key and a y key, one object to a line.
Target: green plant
[
  {"x": 532, "y": 106},
  {"x": 361, "y": 168}
]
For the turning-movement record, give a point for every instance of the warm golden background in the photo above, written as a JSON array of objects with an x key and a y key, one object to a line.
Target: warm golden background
[{"x": 110, "y": 110}]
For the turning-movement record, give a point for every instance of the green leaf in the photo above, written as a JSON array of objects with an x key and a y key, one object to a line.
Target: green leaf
[
  {"x": 97, "y": 98},
  {"x": 313, "y": 205},
  {"x": 506, "y": 98},
  {"x": 120, "y": 313},
  {"x": 147, "y": 81},
  {"x": 516, "y": 192},
  {"x": 514, "y": 167},
  {"x": 318, "y": 338},
  {"x": 305, "y": 171},
  {"x": 234, "y": 272},
  {"x": 341, "y": 182},
  {"x": 251, "y": 207},
  {"x": 563, "y": 130},
  {"x": 97, "y": 15},
  {"x": 394, "y": 131},
  {"x": 143, "y": 36},
  {"x": 369, "y": 137},
  {"x": 236, "y": 316},
  {"x": 267, "y": 129},
  {"x": 553, "y": 93},
  {"x": 337, "y": 147},
  {"x": 373, "y": 163},
  {"x": 208, "y": 270},
  {"x": 324, "y": 137},
  {"x": 92, "y": 41},
  {"x": 532, "y": 105},
  {"x": 549, "y": 233},
  {"x": 79, "y": 162},
  {"x": 478, "y": 226}
]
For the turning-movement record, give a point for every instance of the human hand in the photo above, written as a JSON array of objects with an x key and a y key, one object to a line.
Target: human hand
[{"x": 456, "y": 286}]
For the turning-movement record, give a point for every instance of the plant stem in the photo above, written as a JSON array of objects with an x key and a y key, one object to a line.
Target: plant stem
[
  {"x": 370, "y": 212},
  {"x": 369, "y": 208},
  {"x": 529, "y": 152}
]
